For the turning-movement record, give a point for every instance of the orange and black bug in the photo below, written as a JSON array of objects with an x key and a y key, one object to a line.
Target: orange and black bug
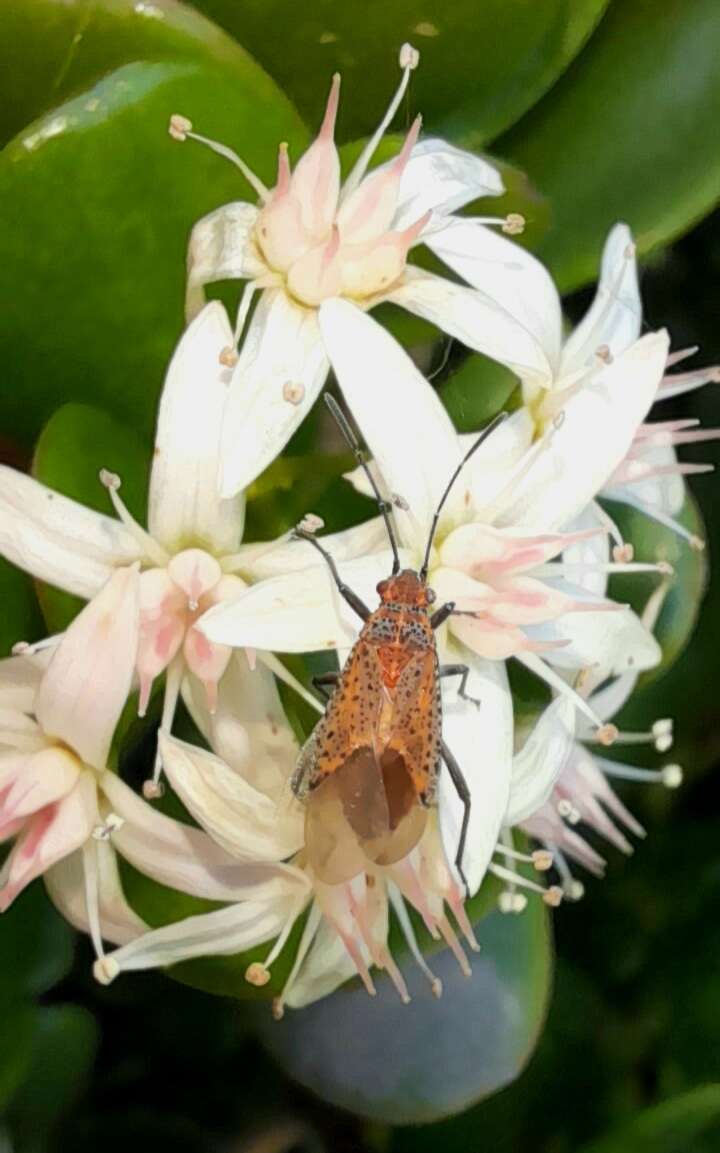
[{"x": 369, "y": 771}]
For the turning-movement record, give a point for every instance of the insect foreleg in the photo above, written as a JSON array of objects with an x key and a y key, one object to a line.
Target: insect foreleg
[
  {"x": 441, "y": 615},
  {"x": 461, "y": 787},
  {"x": 345, "y": 591},
  {"x": 323, "y": 682},
  {"x": 462, "y": 671}
]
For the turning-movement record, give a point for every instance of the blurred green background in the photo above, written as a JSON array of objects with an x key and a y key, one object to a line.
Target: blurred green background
[{"x": 601, "y": 111}]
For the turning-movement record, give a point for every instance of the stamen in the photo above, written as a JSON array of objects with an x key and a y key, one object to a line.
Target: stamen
[
  {"x": 630, "y": 498},
  {"x": 153, "y": 788},
  {"x": 605, "y": 733},
  {"x": 25, "y": 649},
  {"x": 152, "y": 550},
  {"x": 563, "y": 568},
  {"x": 568, "y": 812},
  {"x": 510, "y": 901},
  {"x": 409, "y": 60},
  {"x": 660, "y": 735},
  {"x": 311, "y": 927},
  {"x": 540, "y": 859},
  {"x": 514, "y": 224},
  {"x": 180, "y": 128},
  {"x": 92, "y": 907},
  {"x": 551, "y": 896},
  {"x": 457, "y": 904},
  {"x": 670, "y": 776},
  {"x": 573, "y": 889},
  {"x": 677, "y": 384},
  {"x": 411, "y": 940},
  {"x": 112, "y": 823}
]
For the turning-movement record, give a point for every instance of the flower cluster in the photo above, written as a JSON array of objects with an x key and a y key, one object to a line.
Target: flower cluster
[{"x": 522, "y": 549}]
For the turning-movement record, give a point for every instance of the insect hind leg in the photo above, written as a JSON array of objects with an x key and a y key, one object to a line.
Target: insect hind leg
[
  {"x": 463, "y": 792},
  {"x": 462, "y": 671},
  {"x": 345, "y": 591},
  {"x": 325, "y": 682}
]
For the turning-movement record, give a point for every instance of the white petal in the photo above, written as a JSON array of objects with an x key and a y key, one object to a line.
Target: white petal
[
  {"x": 542, "y": 758},
  {"x": 221, "y": 248},
  {"x": 610, "y": 643},
  {"x": 58, "y": 540},
  {"x": 299, "y": 613},
  {"x": 90, "y": 673},
  {"x": 327, "y": 965},
  {"x": 65, "y": 883},
  {"x": 281, "y": 370},
  {"x": 185, "y": 858},
  {"x": 247, "y": 823},
  {"x": 664, "y": 493},
  {"x": 258, "y": 561},
  {"x": 404, "y": 425},
  {"x": 185, "y": 507},
  {"x": 474, "y": 318},
  {"x": 481, "y": 738},
  {"x": 600, "y": 421},
  {"x": 249, "y": 729},
  {"x": 507, "y": 273},
  {"x": 226, "y": 931},
  {"x": 614, "y": 319},
  {"x": 593, "y": 551},
  {"x": 494, "y": 463},
  {"x": 19, "y": 680},
  {"x": 443, "y": 178}
]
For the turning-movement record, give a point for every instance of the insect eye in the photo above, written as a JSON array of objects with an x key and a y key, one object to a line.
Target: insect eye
[
  {"x": 430, "y": 596},
  {"x": 381, "y": 587}
]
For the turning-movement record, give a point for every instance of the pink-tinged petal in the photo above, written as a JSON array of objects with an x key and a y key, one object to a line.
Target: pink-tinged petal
[
  {"x": 281, "y": 369},
  {"x": 90, "y": 674},
  {"x": 298, "y": 613},
  {"x": 481, "y": 739},
  {"x": 366, "y": 269},
  {"x": 29, "y": 783},
  {"x": 221, "y": 247},
  {"x": 491, "y": 639},
  {"x": 541, "y": 760},
  {"x": 489, "y": 553},
  {"x": 315, "y": 183},
  {"x": 58, "y": 540},
  {"x": 65, "y": 883},
  {"x": 185, "y": 858},
  {"x": 387, "y": 394},
  {"x": 326, "y": 966},
  {"x": 547, "y": 826},
  {"x": 249, "y": 729},
  {"x": 207, "y": 661},
  {"x": 614, "y": 320},
  {"x": 527, "y": 601},
  {"x": 50, "y": 835},
  {"x": 592, "y": 439},
  {"x": 258, "y": 561},
  {"x": 369, "y": 211},
  {"x": 442, "y": 178},
  {"x": 512, "y": 277},
  {"x": 163, "y": 622},
  {"x": 196, "y": 573},
  {"x": 475, "y": 319},
  {"x": 588, "y": 554},
  {"x": 185, "y": 506},
  {"x": 247, "y": 823}
]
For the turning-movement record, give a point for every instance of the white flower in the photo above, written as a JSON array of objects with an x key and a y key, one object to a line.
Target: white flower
[
  {"x": 66, "y": 812},
  {"x": 346, "y": 926},
  {"x": 189, "y": 553},
  {"x": 498, "y": 572},
  {"x": 647, "y": 475},
  {"x": 578, "y": 779},
  {"x": 311, "y": 240}
]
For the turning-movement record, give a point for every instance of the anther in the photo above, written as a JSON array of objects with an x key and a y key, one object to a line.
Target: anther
[
  {"x": 623, "y": 553},
  {"x": 229, "y": 356},
  {"x": 277, "y": 1009},
  {"x": 105, "y": 970},
  {"x": 671, "y": 776},
  {"x": 573, "y": 889},
  {"x": 409, "y": 57},
  {"x": 559, "y": 419},
  {"x": 112, "y": 823},
  {"x": 512, "y": 902},
  {"x": 293, "y": 392},
  {"x": 514, "y": 224},
  {"x": 256, "y": 974},
  {"x": 664, "y": 567},
  {"x": 311, "y": 523},
  {"x": 399, "y": 501},
  {"x": 179, "y": 127},
  {"x": 542, "y": 860},
  {"x": 153, "y": 790},
  {"x": 696, "y": 543},
  {"x": 553, "y": 896},
  {"x": 568, "y": 812},
  {"x": 20, "y": 647},
  {"x": 604, "y": 354},
  {"x": 109, "y": 480},
  {"x": 607, "y": 734}
]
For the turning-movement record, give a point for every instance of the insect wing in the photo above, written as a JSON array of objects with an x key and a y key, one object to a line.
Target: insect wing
[{"x": 416, "y": 735}]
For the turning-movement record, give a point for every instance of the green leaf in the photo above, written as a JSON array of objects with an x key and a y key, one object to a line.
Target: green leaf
[
  {"x": 414, "y": 1064},
  {"x": 21, "y": 618},
  {"x": 75, "y": 444},
  {"x": 477, "y": 391},
  {"x": 482, "y": 63},
  {"x": 625, "y": 133},
  {"x": 64, "y": 1044},
  {"x": 36, "y": 946},
  {"x": 15, "y": 1051},
  {"x": 94, "y": 292},
  {"x": 670, "y": 1127}
]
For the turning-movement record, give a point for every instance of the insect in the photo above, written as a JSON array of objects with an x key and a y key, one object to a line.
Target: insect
[{"x": 369, "y": 771}]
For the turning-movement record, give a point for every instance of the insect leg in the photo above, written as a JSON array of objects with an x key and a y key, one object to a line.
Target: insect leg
[
  {"x": 461, "y": 787},
  {"x": 345, "y": 591},
  {"x": 323, "y": 681},
  {"x": 462, "y": 671},
  {"x": 441, "y": 615}
]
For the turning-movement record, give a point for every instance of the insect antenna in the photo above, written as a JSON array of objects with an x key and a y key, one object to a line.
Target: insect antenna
[
  {"x": 344, "y": 425},
  {"x": 501, "y": 416}
]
